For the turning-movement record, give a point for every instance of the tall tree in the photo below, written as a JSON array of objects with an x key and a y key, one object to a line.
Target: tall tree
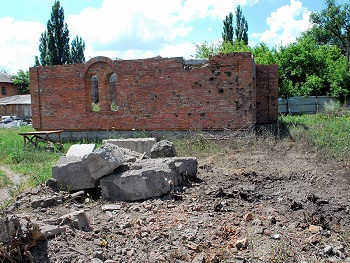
[
  {"x": 43, "y": 49},
  {"x": 57, "y": 36},
  {"x": 77, "y": 51},
  {"x": 227, "y": 35},
  {"x": 332, "y": 26},
  {"x": 241, "y": 29}
]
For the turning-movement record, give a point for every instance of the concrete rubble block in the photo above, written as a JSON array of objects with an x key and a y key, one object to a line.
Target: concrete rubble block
[
  {"x": 104, "y": 160},
  {"x": 80, "y": 149},
  {"x": 188, "y": 167},
  {"x": 147, "y": 178},
  {"x": 73, "y": 174},
  {"x": 140, "y": 145},
  {"x": 163, "y": 148}
]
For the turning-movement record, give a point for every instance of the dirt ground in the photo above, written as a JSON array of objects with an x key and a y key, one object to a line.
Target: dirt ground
[{"x": 275, "y": 204}]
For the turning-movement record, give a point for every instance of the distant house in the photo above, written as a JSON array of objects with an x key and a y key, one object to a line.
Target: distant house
[
  {"x": 7, "y": 88},
  {"x": 19, "y": 105}
]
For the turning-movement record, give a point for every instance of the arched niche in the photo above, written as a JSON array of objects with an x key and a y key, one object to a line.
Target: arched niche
[{"x": 100, "y": 84}]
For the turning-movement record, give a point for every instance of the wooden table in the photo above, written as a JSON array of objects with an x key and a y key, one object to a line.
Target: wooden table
[{"x": 37, "y": 136}]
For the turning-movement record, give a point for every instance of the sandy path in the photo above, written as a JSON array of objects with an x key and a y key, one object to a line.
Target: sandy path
[{"x": 15, "y": 178}]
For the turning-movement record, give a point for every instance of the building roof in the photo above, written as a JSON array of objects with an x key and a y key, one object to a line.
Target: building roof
[
  {"x": 18, "y": 99},
  {"x": 5, "y": 78}
]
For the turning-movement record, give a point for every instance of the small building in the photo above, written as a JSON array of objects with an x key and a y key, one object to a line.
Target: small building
[
  {"x": 19, "y": 105},
  {"x": 7, "y": 88}
]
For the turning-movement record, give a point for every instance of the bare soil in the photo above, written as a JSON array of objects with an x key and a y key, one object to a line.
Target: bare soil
[{"x": 248, "y": 204}]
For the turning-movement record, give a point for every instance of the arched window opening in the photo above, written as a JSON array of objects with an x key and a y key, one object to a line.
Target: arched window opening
[
  {"x": 113, "y": 91},
  {"x": 94, "y": 92}
]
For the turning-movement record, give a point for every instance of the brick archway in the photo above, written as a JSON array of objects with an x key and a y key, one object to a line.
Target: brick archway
[{"x": 103, "y": 68}]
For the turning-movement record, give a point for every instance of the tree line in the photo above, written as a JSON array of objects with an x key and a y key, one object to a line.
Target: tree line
[{"x": 317, "y": 63}]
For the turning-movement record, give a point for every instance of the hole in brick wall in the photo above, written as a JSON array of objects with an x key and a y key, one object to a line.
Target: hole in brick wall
[
  {"x": 197, "y": 85},
  {"x": 202, "y": 114},
  {"x": 209, "y": 91},
  {"x": 228, "y": 73},
  {"x": 220, "y": 90},
  {"x": 176, "y": 115},
  {"x": 212, "y": 79},
  {"x": 113, "y": 91},
  {"x": 217, "y": 73},
  {"x": 189, "y": 114},
  {"x": 94, "y": 92}
]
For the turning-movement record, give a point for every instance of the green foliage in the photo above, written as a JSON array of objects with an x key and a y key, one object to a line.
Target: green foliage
[
  {"x": 241, "y": 29},
  {"x": 227, "y": 35},
  {"x": 22, "y": 80},
  {"x": 306, "y": 68},
  {"x": 264, "y": 55},
  {"x": 77, "y": 51},
  {"x": 236, "y": 46},
  {"x": 331, "y": 24}
]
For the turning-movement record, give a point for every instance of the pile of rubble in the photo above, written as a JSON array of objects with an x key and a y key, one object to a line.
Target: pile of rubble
[{"x": 123, "y": 174}]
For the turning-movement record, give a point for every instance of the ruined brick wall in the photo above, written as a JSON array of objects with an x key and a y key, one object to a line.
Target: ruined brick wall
[
  {"x": 266, "y": 94},
  {"x": 148, "y": 94}
]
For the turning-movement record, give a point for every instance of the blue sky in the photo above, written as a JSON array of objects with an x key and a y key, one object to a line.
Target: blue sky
[{"x": 140, "y": 29}]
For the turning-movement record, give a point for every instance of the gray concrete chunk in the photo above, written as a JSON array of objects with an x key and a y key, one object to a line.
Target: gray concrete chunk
[
  {"x": 163, "y": 148},
  {"x": 72, "y": 173},
  {"x": 80, "y": 149},
  {"x": 104, "y": 160}
]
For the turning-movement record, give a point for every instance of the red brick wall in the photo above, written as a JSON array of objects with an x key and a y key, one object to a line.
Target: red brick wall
[
  {"x": 151, "y": 94},
  {"x": 266, "y": 93},
  {"x": 11, "y": 89}
]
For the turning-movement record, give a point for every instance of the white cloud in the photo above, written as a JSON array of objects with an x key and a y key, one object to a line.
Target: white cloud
[
  {"x": 286, "y": 24},
  {"x": 19, "y": 43},
  {"x": 128, "y": 30}
]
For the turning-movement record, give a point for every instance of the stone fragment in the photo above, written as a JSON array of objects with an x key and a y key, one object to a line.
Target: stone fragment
[
  {"x": 328, "y": 250},
  {"x": 163, "y": 148},
  {"x": 8, "y": 226},
  {"x": 80, "y": 149},
  {"x": 77, "y": 219},
  {"x": 111, "y": 207},
  {"x": 248, "y": 217},
  {"x": 104, "y": 160},
  {"x": 242, "y": 243},
  {"x": 48, "y": 231},
  {"x": 53, "y": 184},
  {"x": 315, "y": 229},
  {"x": 140, "y": 145},
  {"x": 314, "y": 239}
]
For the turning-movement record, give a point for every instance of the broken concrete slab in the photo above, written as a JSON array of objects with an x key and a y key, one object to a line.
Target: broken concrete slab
[
  {"x": 104, "y": 160},
  {"x": 139, "y": 145},
  {"x": 80, "y": 149},
  {"x": 163, "y": 148},
  {"x": 147, "y": 178},
  {"x": 82, "y": 172},
  {"x": 73, "y": 174}
]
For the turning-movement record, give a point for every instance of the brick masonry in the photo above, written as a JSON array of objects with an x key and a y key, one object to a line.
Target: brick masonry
[{"x": 228, "y": 92}]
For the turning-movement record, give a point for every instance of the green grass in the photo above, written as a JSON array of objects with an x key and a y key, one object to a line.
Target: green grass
[
  {"x": 35, "y": 163},
  {"x": 4, "y": 180},
  {"x": 329, "y": 134}
]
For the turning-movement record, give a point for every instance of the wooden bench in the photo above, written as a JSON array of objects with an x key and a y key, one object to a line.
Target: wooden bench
[{"x": 38, "y": 136}]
